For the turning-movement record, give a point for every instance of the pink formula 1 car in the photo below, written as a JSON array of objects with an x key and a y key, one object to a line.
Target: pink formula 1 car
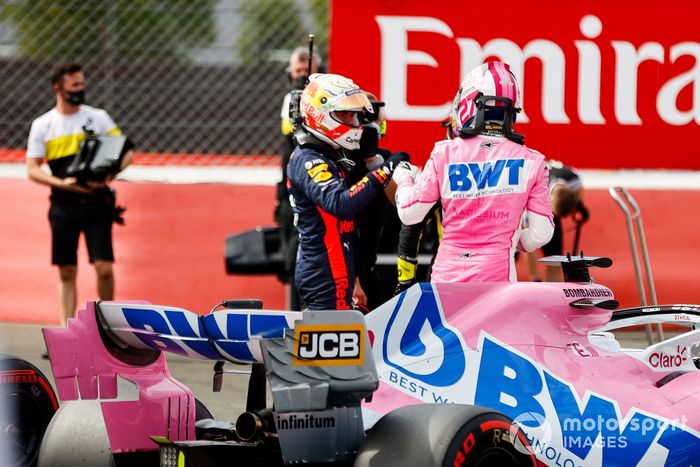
[{"x": 448, "y": 374}]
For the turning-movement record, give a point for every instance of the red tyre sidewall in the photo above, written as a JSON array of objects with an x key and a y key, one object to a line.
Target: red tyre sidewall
[
  {"x": 485, "y": 432},
  {"x": 27, "y": 395}
]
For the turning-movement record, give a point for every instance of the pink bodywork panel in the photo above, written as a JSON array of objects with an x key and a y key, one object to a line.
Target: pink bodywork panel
[
  {"x": 535, "y": 319},
  {"x": 83, "y": 369}
]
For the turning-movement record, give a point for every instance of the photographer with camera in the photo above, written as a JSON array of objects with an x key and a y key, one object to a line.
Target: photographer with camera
[
  {"x": 80, "y": 201},
  {"x": 298, "y": 72}
]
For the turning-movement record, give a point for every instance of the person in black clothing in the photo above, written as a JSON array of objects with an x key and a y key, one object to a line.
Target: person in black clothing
[
  {"x": 77, "y": 206},
  {"x": 297, "y": 72},
  {"x": 566, "y": 193},
  {"x": 371, "y": 221},
  {"x": 413, "y": 239},
  {"x": 424, "y": 236},
  {"x": 323, "y": 204}
]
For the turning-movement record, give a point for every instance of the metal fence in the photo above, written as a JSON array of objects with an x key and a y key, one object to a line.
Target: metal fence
[{"x": 197, "y": 81}]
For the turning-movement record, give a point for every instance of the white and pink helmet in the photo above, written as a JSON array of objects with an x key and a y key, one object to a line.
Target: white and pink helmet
[{"x": 492, "y": 80}]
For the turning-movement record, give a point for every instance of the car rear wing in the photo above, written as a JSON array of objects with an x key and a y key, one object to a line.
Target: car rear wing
[{"x": 227, "y": 334}]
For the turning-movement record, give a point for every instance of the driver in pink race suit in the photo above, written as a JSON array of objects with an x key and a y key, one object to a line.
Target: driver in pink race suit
[{"x": 487, "y": 180}]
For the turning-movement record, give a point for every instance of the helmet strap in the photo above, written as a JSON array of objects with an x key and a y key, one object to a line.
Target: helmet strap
[
  {"x": 480, "y": 118},
  {"x": 345, "y": 160}
]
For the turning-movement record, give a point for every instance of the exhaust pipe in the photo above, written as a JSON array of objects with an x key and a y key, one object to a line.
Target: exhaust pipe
[{"x": 255, "y": 424}]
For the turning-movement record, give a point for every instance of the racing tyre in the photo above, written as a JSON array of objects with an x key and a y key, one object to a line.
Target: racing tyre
[
  {"x": 445, "y": 435},
  {"x": 201, "y": 411},
  {"x": 27, "y": 404},
  {"x": 77, "y": 437}
]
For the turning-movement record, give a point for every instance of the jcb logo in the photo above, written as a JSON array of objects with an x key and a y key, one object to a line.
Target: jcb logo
[{"x": 322, "y": 345}]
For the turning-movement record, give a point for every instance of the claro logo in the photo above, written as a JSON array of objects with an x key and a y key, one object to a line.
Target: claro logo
[
  {"x": 322, "y": 345},
  {"x": 396, "y": 57},
  {"x": 675, "y": 359}
]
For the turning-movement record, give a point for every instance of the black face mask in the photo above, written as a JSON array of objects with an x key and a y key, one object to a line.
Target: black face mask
[
  {"x": 369, "y": 145},
  {"x": 299, "y": 83},
  {"x": 75, "y": 98}
]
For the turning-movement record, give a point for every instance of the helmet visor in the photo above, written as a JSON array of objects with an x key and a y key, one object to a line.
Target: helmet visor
[{"x": 354, "y": 99}]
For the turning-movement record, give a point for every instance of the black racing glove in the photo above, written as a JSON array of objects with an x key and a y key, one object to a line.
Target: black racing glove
[
  {"x": 394, "y": 160},
  {"x": 369, "y": 144},
  {"x": 407, "y": 273},
  {"x": 383, "y": 173}
]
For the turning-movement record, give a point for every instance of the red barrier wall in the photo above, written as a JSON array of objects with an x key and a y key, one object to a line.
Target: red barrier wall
[{"x": 171, "y": 250}]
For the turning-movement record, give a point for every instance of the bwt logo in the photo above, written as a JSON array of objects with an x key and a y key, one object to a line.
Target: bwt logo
[
  {"x": 211, "y": 336},
  {"x": 464, "y": 177},
  {"x": 587, "y": 425},
  {"x": 326, "y": 346}
]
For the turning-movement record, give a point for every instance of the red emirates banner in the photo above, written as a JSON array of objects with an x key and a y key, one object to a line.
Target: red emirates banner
[{"x": 604, "y": 84}]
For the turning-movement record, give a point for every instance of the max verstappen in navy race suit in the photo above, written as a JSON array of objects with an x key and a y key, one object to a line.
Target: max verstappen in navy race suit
[{"x": 323, "y": 204}]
